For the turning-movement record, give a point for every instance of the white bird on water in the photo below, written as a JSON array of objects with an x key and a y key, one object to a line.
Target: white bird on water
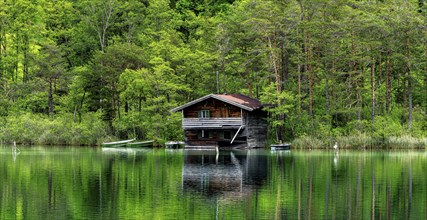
[{"x": 336, "y": 146}]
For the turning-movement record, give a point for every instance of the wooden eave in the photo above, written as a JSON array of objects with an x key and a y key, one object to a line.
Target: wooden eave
[{"x": 180, "y": 108}]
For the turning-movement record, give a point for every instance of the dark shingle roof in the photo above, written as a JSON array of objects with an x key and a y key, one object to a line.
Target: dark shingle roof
[
  {"x": 243, "y": 100},
  {"x": 239, "y": 100}
]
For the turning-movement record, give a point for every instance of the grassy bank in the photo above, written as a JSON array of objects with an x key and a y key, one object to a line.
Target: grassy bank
[{"x": 361, "y": 141}]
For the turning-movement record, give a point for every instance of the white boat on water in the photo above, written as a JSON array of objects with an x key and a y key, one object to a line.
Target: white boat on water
[
  {"x": 117, "y": 143},
  {"x": 174, "y": 144},
  {"x": 284, "y": 146}
]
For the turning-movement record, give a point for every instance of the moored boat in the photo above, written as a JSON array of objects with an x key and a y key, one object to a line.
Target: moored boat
[
  {"x": 148, "y": 143},
  {"x": 284, "y": 146},
  {"x": 117, "y": 143},
  {"x": 174, "y": 144}
]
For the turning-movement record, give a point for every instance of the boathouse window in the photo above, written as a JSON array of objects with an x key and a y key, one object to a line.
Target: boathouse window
[{"x": 204, "y": 114}]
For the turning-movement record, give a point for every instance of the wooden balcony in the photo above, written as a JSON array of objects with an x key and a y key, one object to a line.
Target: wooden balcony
[{"x": 200, "y": 123}]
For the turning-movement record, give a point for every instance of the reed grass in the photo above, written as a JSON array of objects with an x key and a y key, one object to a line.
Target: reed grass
[
  {"x": 361, "y": 141},
  {"x": 308, "y": 142},
  {"x": 406, "y": 142}
]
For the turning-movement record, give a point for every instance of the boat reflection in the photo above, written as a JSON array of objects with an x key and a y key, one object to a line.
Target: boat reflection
[
  {"x": 132, "y": 155},
  {"x": 124, "y": 151},
  {"x": 225, "y": 173}
]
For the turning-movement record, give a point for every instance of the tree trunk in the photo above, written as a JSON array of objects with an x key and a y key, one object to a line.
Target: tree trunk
[
  {"x": 356, "y": 84},
  {"x": 101, "y": 26},
  {"x": 327, "y": 93},
  {"x": 50, "y": 97},
  {"x": 310, "y": 75},
  {"x": 408, "y": 67},
  {"x": 117, "y": 107},
  {"x": 360, "y": 90},
  {"x": 272, "y": 44},
  {"x": 333, "y": 86},
  {"x": 16, "y": 63},
  {"x": 380, "y": 69},
  {"x": 285, "y": 61},
  {"x": 274, "y": 65},
  {"x": 299, "y": 76},
  {"x": 409, "y": 100},
  {"x": 126, "y": 105},
  {"x": 388, "y": 82},
  {"x": 326, "y": 87},
  {"x": 425, "y": 78},
  {"x": 75, "y": 114},
  {"x": 248, "y": 79},
  {"x": 299, "y": 87},
  {"x": 405, "y": 93},
  {"x": 2, "y": 46},
  {"x": 372, "y": 87},
  {"x": 25, "y": 61}
]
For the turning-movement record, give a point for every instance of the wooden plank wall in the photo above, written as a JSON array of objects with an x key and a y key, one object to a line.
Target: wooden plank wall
[
  {"x": 256, "y": 128},
  {"x": 217, "y": 108}
]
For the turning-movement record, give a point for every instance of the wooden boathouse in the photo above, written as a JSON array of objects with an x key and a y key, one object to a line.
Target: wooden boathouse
[{"x": 225, "y": 120}]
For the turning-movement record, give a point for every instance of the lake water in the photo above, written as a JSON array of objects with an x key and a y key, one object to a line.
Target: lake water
[{"x": 95, "y": 183}]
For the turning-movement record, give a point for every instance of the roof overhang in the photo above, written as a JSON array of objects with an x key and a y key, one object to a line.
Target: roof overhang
[{"x": 180, "y": 108}]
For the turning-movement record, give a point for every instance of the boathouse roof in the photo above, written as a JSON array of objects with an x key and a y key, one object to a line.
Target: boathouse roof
[{"x": 239, "y": 100}]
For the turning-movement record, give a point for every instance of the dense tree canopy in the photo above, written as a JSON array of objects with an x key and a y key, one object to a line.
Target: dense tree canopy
[{"x": 329, "y": 68}]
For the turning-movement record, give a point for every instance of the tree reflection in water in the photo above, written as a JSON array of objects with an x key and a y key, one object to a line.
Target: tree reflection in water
[{"x": 88, "y": 183}]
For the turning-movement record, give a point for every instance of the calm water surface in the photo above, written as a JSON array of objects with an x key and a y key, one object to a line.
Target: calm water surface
[{"x": 94, "y": 183}]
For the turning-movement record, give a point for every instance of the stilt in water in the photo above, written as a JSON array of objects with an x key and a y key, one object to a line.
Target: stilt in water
[
  {"x": 14, "y": 147},
  {"x": 217, "y": 154},
  {"x": 14, "y": 151}
]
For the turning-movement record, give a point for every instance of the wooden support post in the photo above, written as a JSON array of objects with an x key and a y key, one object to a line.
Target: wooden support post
[{"x": 236, "y": 134}]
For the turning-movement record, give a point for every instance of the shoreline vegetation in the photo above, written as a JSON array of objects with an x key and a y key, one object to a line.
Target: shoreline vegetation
[
  {"x": 361, "y": 142},
  {"x": 38, "y": 129},
  {"x": 80, "y": 72}
]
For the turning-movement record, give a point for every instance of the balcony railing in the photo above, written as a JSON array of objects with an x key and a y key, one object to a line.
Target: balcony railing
[{"x": 188, "y": 123}]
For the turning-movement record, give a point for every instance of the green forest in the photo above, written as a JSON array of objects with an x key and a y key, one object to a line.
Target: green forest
[{"x": 80, "y": 72}]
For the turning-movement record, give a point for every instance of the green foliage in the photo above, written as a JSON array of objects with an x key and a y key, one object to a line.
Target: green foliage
[
  {"x": 386, "y": 126},
  {"x": 90, "y": 131},
  {"x": 326, "y": 69},
  {"x": 28, "y": 128},
  {"x": 22, "y": 128},
  {"x": 150, "y": 95}
]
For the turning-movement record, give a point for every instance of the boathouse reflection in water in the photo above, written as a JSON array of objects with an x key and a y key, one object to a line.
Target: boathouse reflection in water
[{"x": 226, "y": 173}]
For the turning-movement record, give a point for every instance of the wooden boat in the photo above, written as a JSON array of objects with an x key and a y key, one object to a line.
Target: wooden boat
[
  {"x": 148, "y": 143},
  {"x": 174, "y": 144},
  {"x": 284, "y": 146},
  {"x": 117, "y": 143}
]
